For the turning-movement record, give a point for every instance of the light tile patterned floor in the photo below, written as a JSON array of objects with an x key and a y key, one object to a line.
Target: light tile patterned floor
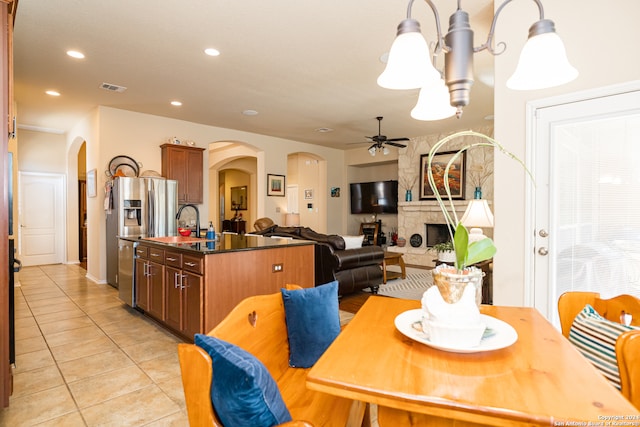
[{"x": 83, "y": 358}]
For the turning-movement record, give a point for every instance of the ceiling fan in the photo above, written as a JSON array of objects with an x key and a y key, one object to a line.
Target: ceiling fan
[{"x": 379, "y": 140}]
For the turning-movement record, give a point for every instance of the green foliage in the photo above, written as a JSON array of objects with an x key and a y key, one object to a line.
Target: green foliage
[{"x": 443, "y": 247}]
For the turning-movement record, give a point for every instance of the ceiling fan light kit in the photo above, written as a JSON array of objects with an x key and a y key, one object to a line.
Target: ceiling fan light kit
[
  {"x": 380, "y": 140},
  {"x": 543, "y": 61}
]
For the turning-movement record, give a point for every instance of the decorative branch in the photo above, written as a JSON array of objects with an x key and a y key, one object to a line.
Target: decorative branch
[{"x": 479, "y": 172}]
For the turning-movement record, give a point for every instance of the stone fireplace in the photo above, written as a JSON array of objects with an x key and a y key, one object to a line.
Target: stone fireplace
[{"x": 412, "y": 216}]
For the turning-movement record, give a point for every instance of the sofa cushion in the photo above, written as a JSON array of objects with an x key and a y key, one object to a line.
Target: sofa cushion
[
  {"x": 313, "y": 322},
  {"x": 353, "y": 242},
  {"x": 242, "y": 391},
  {"x": 595, "y": 337},
  {"x": 333, "y": 240}
]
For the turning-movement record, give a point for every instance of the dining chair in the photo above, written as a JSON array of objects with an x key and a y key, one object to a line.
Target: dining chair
[
  {"x": 627, "y": 347},
  {"x": 571, "y": 303}
]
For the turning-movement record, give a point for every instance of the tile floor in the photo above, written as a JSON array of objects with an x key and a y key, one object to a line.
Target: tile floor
[{"x": 83, "y": 358}]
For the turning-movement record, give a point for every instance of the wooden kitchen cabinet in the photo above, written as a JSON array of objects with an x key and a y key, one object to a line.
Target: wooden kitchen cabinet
[
  {"x": 185, "y": 165},
  {"x": 183, "y": 293},
  {"x": 195, "y": 291},
  {"x": 149, "y": 280}
]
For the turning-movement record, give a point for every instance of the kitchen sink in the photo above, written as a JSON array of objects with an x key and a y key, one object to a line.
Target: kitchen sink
[{"x": 176, "y": 239}]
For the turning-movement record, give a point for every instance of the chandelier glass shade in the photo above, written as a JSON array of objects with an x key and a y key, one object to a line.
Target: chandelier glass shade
[
  {"x": 543, "y": 61},
  {"x": 433, "y": 102}
]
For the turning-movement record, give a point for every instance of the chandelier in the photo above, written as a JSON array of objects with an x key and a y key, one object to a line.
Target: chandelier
[{"x": 411, "y": 65}]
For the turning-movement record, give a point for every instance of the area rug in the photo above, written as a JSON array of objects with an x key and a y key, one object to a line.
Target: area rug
[{"x": 412, "y": 287}]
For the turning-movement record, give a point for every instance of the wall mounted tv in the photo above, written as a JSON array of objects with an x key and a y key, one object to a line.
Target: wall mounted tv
[{"x": 374, "y": 197}]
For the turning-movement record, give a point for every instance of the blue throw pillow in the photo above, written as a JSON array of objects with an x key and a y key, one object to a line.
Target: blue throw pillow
[
  {"x": 243, "y": 392},
  {"x": 313, "y": 322}
]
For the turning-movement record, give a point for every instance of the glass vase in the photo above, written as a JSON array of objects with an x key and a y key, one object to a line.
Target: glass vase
[{"x": 452, "y": 283}]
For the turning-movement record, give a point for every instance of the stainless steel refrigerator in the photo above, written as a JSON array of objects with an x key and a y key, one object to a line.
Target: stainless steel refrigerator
[{"x": 138, "y": 207}]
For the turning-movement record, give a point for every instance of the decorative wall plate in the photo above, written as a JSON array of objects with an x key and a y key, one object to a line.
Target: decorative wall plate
[
  {"x": 416, "y": 240},
  {"x": 124, "y": 163}
]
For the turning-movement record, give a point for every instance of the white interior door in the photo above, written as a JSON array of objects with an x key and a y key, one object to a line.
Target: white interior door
[
  {"x": 41, "y": 218},
  {"x": 587, "y": 209}
]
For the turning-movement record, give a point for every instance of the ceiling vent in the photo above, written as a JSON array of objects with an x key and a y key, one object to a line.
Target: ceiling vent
[{"x": 113, "y": 88}]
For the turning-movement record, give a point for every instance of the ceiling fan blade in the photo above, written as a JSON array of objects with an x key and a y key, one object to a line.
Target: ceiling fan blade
[
  {"x": 395, "y": 144},
  {"x": 373, "y": 146},
  {"x": 398, "y": 139}
]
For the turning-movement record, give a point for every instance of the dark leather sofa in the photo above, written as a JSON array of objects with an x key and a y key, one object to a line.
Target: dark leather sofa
[{"x": 354, "y": 269}]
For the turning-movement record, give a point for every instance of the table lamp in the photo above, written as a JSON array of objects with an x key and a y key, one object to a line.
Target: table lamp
[
  {"x": 292, "y": 219},
  {"x": 477, "y": 215}
]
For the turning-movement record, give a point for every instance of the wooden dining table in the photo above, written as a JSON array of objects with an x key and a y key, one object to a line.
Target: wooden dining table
[{"x": 540, "y": 379}]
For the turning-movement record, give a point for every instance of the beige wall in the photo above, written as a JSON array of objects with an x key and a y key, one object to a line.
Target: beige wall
[
  {"x": 599, "y": 39},
  {"x": 110, "y": 132},
  {"x": 306, "y": 171},
  {"x": 42, "y": 152}
]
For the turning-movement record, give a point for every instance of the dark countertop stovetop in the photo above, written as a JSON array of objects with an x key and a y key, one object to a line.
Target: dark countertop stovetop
[{"x": 227, "y": 242}]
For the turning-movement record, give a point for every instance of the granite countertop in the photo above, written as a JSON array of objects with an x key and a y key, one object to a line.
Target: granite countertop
[{"x": 226, "y": 242}]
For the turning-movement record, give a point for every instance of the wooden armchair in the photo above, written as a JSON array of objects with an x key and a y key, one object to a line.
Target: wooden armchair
[
  {"x": 571, "y": 303},
  {"x": 627, "y": 345},
  {"x": 257, "y": 325}
]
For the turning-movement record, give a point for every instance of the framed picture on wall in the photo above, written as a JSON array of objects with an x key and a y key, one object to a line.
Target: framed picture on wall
[
  {"x": 456, "y": 176},
  {"x": 275, "y": 185},
  {"x": 91, "y": 183},
  {"x": 308, "y": 194}
]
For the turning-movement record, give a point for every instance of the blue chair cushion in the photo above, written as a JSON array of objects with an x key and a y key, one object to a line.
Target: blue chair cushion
[
  {"x": 243, "y": 392},
  {"x": 313, "y": 322}
]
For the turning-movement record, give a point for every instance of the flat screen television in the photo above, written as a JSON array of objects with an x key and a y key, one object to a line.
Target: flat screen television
[{"x": 374, "y": 197}]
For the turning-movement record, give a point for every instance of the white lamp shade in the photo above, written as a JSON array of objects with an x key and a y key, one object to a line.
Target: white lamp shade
[
  {"x": 543, "y": 63},
  {"x": 292, "y": 219},
  {"x": 433, "y": 103},
  {"x": 409, "y": 65},
  {"x": 477, "y": 214}
]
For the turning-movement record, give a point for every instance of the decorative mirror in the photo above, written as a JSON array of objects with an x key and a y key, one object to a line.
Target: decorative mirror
[{"x": 239, "y": 198}]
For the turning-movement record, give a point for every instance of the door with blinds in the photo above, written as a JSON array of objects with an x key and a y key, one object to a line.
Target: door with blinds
[{"x": 587, "y": 198}]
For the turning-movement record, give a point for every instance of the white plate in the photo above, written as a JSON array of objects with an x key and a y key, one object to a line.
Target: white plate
[{"x": 498, "y": 335}]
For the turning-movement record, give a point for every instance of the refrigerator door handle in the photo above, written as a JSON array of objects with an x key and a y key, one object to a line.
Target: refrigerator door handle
[{"x": 151, "y": 230}]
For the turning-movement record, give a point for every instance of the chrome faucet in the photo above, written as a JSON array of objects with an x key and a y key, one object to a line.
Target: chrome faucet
[{"x": 195, "y": 208}]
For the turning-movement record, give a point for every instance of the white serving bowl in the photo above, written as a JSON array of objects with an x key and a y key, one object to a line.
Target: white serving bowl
[{"x": 454, "y": 336}]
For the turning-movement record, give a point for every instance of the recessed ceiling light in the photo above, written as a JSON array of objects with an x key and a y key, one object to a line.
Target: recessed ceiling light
[
  {"x": 324, "y": 130},
  {"x": 52, "y": 93},
  {"x": 250, "y": 112},
  {"x": 75, "y": 54},
  {"x": 212, "y": 52},
  {"x": 176, "y": 103}
]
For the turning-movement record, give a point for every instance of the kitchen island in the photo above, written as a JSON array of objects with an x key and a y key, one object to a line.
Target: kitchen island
[{"x": 190, "y": 285}]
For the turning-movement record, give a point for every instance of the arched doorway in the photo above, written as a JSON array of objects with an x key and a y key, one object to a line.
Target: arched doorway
[{"x": 234, "y": 165}]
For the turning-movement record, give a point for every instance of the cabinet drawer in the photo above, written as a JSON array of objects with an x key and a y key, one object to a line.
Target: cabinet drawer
[
  {"x": 156, "y": 255},
  {"x": 192, "y": 264},
  {"x": 173, "y": 259},
  {"x": 142, "y": 252}
]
